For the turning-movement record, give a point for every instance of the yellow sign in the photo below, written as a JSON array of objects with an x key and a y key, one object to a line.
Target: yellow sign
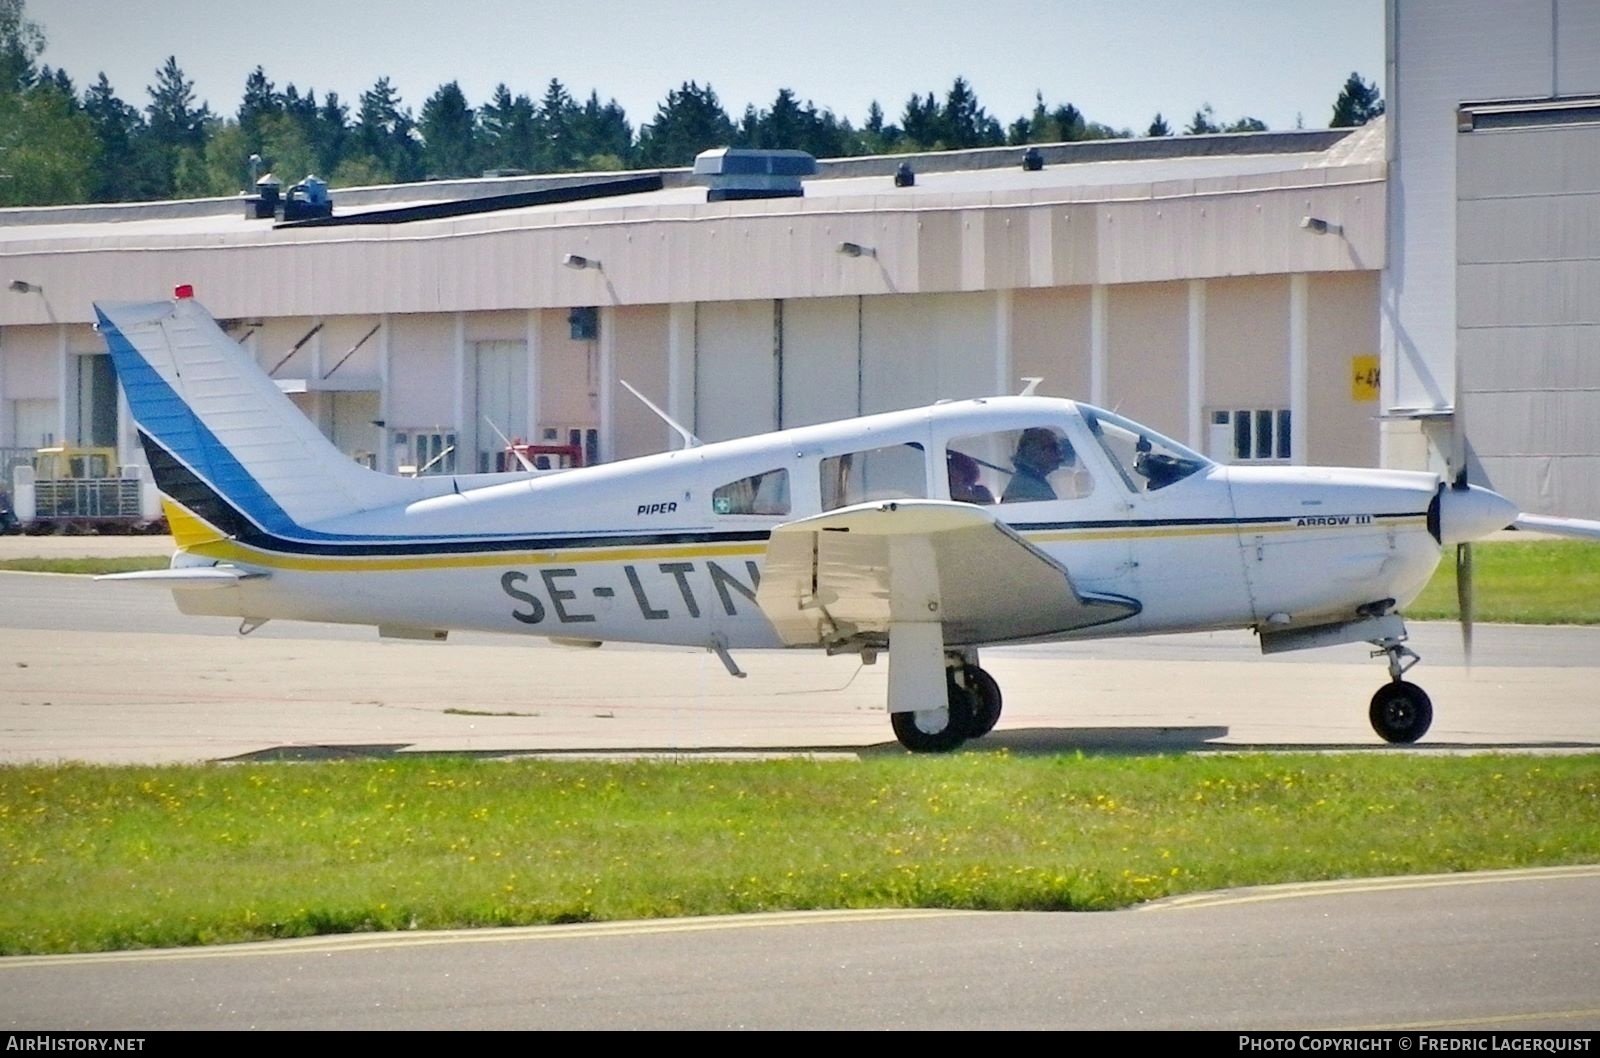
[{"x": 1363, "y": 378}]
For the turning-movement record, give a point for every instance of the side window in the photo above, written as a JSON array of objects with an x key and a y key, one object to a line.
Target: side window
[
  {"x": 763, "y": 493},
  {"x": 897, "y": 472},
  {"x": 1016, "y": 466}
]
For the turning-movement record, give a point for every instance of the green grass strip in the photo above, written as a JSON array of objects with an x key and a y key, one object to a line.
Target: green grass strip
[
  {"x": 1534, "y": 582},
  {"x": 98, "y": 858},
  {"x": 91, "y": 566}
]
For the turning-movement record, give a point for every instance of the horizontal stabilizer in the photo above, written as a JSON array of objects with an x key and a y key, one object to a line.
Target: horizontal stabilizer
[
  {"x": 187, "y": 577},
  {"x": 1579, "y": 528},
  {"x": 845, "y": 576}
]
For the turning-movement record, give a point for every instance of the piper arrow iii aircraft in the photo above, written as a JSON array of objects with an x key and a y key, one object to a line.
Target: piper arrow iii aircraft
[{"x": 926, "y": 534}]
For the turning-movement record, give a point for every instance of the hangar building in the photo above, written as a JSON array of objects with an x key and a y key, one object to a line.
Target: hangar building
[{"x": 1295, "y": 297}]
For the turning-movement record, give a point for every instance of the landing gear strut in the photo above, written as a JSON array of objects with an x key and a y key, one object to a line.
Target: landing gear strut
[
  {"x": 1401, "y": 712},
  {"x": 972, "y": 709}
]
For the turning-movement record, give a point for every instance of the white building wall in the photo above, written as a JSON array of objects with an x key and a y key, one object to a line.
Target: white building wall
[{"x": 1444, "y": 53}]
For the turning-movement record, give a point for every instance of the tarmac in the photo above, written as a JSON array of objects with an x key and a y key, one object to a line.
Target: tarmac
[{"x": 111, "y": 673}]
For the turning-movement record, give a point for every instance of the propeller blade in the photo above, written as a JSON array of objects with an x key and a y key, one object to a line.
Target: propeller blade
[
  {"x": 1464, "y": 598},
  {"x": 1458, "y": 437}
]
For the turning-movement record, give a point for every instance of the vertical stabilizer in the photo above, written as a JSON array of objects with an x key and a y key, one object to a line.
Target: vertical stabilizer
[{"x": 222, "y": 440}]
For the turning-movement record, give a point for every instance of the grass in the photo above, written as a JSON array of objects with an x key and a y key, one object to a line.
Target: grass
[
  {"x": 91, "y": 566},
  {"x": 1533, "y": 582},
  {"x": 96, "y": 858}
]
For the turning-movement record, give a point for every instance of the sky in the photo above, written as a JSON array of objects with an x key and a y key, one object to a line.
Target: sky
[{"x": 1119, "y": 63}]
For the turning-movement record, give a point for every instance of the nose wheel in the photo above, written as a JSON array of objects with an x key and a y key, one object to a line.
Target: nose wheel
[{"x": 1401, "y": 712}]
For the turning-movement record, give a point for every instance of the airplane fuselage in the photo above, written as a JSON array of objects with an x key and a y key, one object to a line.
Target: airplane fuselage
[{"x": 670, "y": 548}]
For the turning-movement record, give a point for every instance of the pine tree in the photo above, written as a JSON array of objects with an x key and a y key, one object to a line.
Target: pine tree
[
  {"x": 557, "y": 111},
  {"x": 260, "y": 99},
  {"x": 119, "y": 177},
  {"x": 1202, "y": 123},
  {"x": 21, "y": 41},
  {"x": 1158, "y": 126},
  {"x": 174, "y": 134},
  {"x": 691, "y": 120},
  {"x": 448, "y": 129},
  {"x": 1358, "y": 103},
  {"x": 963, "y": 122},
  {"x": 921, "y": 121},
  {"x": 330, "y": 133},
  {"x": 602, "y": 135}
]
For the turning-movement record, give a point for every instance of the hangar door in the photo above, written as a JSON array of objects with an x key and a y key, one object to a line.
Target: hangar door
[
  {"x": 766, "y": 365},
  {"x": 502, "y": 401},
  {"x": 1527, "y": 310}
]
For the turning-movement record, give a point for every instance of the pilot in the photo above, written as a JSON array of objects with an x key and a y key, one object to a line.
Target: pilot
[
  {"x": 964, "y": 484},
  {"x": 1039, "y": 453}
]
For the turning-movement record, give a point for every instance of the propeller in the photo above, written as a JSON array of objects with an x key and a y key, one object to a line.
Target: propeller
[{"x": 1461, "y": 486}]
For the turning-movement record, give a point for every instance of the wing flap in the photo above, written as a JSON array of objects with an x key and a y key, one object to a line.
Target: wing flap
[{"x": 847, "y": 575}]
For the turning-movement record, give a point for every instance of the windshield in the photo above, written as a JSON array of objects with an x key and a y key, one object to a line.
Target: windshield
[{"x": 1146, "y": 460}]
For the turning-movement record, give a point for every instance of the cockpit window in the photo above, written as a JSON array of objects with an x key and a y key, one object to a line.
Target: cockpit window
[
  {"x": 1016, "y": 466},
  {"x": 1146, "y": 460},
  {"x": 764, "y": 493}
]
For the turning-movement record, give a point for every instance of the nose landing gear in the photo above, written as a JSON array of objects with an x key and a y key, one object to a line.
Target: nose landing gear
[{"x": 1401, "y": 712}]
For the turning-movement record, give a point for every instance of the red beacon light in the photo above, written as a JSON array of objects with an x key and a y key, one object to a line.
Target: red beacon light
[{"x": 183, "y": 290}]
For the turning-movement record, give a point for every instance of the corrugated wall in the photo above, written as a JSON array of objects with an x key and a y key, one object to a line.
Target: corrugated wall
[{"x": 1528, "y": 311}]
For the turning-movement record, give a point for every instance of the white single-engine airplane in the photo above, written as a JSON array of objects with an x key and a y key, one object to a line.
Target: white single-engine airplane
[{"x": 926, "y": 533}]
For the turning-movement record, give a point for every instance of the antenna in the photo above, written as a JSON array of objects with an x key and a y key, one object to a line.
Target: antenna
[
  {"x": 689, "y": 439},
  {"x": 526, "y": 465}
]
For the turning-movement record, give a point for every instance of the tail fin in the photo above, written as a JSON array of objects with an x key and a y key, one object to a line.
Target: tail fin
[{"x": 222, "y": 440}]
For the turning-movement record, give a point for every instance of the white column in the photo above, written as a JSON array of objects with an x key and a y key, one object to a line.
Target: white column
[
  {"x": 1299, "y": 386},
  {"x": 533, "y": 336},
  {"x": 1197, "y": 364},
  {"x": 680, "y": 364},
  {"x": 466, "y": 432},
  {"x": 608, "y": 382},
  {"x": 7, "y": 427},
  {"x": 69, "y": 400},
  {"x": 1098, "y": 302},
  {"x": 1004, "y": 308},
  {"x": 385, "y": 447}
]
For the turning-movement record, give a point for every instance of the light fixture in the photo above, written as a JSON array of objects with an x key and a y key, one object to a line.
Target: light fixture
[
  {"x": 1318, "y": 226},
  {"x": 855, "y": 249},
  {"x": 572, "y": 260},
  {"x": 22, "y": 286}
]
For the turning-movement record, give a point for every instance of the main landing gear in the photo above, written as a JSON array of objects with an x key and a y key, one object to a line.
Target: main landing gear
[
  {"x": 1401, "y": 711},
  {"x": 971, "y": 711}
]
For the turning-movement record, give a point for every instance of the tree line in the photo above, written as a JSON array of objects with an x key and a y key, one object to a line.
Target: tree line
[{"x": 59, "y": 145}]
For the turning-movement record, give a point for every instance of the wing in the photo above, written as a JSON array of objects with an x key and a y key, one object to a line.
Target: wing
[
  {"x": 845, "y": 576},
  {"x": 1579, "y": 528}
]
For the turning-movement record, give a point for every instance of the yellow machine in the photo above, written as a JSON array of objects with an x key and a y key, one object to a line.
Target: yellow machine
[{"x": 84, "y": 489}]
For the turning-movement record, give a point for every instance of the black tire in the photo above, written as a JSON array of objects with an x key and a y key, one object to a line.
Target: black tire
[
  {"x": 986, "y": 701},
  {"x": 1401, "y": 712},
  {"x": 962, "y": 706}
]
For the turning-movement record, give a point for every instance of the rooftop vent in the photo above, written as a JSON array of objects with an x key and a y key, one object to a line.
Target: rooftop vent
[{"x": 743, "y": 172}]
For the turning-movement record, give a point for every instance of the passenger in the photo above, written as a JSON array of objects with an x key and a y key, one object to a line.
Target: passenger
[
  {"x": 964, "y": 484},
  {"x": 1039, "y": 454}
]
